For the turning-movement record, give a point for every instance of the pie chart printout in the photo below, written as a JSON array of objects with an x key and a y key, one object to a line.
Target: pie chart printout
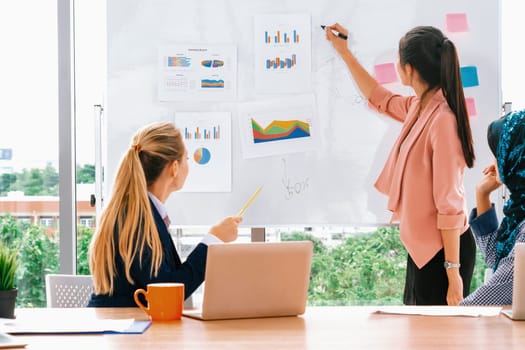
[{"x": 202, "y": 156}]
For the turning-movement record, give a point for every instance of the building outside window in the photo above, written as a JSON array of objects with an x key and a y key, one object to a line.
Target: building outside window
[
  {"x": 47, "y": 222},
  {"x": 87, "y": 222}
]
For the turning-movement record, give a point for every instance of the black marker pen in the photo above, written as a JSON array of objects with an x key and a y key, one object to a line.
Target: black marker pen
[{"x": 341, "y": 35}]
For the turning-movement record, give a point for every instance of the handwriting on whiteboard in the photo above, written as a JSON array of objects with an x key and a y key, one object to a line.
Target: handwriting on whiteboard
[{"x": 293, "y": 187}]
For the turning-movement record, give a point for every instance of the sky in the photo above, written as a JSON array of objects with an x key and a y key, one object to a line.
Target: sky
[
  {"x": 28, "y": 78},
  {"x": 28, "y": 75}
]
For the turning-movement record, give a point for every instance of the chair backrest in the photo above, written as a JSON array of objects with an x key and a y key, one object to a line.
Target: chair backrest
[{"x": 68, "y": 290}]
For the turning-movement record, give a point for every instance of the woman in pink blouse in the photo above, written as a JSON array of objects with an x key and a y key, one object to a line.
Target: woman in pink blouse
[{"x": 423, "y": 175}]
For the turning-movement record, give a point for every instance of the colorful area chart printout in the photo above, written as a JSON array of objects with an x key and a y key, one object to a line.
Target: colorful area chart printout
[{"x": 290, "y": 129}]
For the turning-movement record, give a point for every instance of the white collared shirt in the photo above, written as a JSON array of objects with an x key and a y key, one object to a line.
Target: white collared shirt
[{"x": 208, "y": 238}]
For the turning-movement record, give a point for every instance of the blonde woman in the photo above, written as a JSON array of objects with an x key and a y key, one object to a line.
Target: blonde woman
[{"x": 132, "y": 245}]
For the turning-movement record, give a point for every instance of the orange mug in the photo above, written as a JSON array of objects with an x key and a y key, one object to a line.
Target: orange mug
[{"x": 165, "y": 301}]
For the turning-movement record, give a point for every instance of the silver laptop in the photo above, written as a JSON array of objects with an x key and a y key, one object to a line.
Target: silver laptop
[
  {"x": 250, "y": 280},
  {"x": 518, "y": 289}
]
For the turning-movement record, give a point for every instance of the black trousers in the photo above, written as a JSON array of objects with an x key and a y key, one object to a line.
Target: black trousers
[{"x": 428, "y": 285}]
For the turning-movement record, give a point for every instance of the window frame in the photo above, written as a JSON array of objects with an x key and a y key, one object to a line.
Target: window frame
[{"x": 67, "y": 150}]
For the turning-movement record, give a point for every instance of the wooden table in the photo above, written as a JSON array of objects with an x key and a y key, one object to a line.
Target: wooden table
[{"x": 319, "y": 328}]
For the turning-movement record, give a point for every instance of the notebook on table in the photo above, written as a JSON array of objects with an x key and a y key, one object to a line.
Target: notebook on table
[{"x": 250, "y": 280}]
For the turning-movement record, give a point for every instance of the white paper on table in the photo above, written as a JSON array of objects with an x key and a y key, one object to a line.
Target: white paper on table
[
  {"x": 9, "y": 342},
  {"x": 438, "y": 310},
  {"x": 66, "y": 325}
]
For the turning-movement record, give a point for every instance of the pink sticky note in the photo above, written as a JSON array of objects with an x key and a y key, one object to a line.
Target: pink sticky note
[
  {"x": 471, "y": 106},
  {"x": 457, "y": 22},
  {"x": 385, "y": 73}
]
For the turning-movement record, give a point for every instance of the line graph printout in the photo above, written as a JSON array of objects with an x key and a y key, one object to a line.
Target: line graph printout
[
  {"x": 202, "y": 73},
  {"x": 207, "y": 136},
  {"x": 275, "y": 132},
  {"x": 282, "y": 56}
]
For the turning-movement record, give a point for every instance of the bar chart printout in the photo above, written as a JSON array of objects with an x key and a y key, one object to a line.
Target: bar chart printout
[
  {"x": 281, "y": 63},
  {"x": 285, "y": 37},
  {"x": 207, "y": 137},
  {"x": 282, "y": 56}
]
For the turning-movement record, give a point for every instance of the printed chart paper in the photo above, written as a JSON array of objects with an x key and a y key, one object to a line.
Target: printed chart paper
[
  {"x": 282, "y": 46},
  {"x": 291, "y": 129},
  {"x": 207, "y": 136},
  {"x": 438, "y": 310},
  {"x": 201, "y": 73}
]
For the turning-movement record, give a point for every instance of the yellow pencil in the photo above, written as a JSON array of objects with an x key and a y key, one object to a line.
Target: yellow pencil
[{"x": 241, "y": 212}]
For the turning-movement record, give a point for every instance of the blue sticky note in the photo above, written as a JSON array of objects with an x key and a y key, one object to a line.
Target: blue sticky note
[{"x": 469, "y": 76}]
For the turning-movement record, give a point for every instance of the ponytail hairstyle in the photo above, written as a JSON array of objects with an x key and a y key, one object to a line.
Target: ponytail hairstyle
[
  {"x": 127, "y": 223},
  {"x": 435, "y": 58}
]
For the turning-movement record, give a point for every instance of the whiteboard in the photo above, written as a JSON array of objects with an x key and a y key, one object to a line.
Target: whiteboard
[{"x": 331, "y": 184}]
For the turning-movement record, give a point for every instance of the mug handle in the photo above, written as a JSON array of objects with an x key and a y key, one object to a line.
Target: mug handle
[{"x": 137, "y": 300}]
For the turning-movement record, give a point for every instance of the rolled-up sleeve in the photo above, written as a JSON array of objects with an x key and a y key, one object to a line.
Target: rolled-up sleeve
[
  {"x": 485, "y": 223},
  {"x": 445, "y": 221},
  {"x": 484, "y": 227},
  {"x": 448, "y": 168},
  {"x": 386, "y": 102}
]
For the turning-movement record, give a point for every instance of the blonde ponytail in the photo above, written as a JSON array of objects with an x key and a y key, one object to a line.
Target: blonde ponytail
[{"x": 128, "y": 211}]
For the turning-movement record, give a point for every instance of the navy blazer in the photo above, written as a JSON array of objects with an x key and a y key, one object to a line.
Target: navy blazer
[{"x": 191, "y": 272}]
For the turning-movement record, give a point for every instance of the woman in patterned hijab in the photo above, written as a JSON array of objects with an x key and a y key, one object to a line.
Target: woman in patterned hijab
[
  {"x": 510, "y": 156},
  {"x": 506, "y": 139}
]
